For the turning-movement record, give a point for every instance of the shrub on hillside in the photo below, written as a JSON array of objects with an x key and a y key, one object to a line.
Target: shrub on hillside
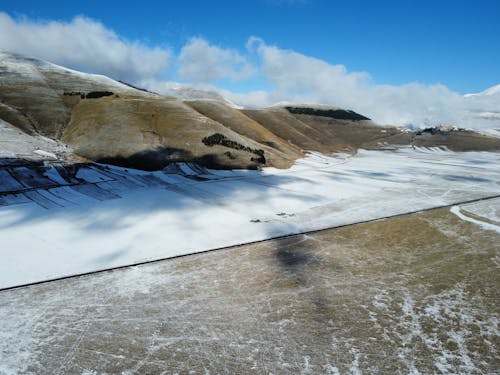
[
  {"x": 222, "y": 140},
  {"x": 98, "y": 94}
]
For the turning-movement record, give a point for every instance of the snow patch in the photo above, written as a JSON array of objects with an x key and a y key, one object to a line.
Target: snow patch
[
  {"x": 486, "y": 226},
  {"x": 45, "y": 154}
]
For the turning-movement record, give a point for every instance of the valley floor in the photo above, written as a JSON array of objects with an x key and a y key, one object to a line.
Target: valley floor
[
  {"x": 412, "y": 294},
  {"x": 53, "y": 226}
]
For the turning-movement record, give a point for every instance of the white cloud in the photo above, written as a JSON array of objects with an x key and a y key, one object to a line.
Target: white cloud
[
  {"x": 88, "y": 45},
  {"x": 299, "y": 78},
  {"x": 82, "y": 44},
  {"x": 203, "y": 62},
  {"x": 297, "y": 75}
]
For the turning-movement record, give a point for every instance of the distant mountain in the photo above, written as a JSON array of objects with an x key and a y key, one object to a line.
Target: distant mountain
[
  {"x": 100, "y": 119},
  {"x": 492, "y": 91},
  {"x": 191, "y": 93},
  {"x": 485, "y": 105}
]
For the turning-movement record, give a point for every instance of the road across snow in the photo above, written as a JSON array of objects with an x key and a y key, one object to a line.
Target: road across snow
[{"x": 121, "y": 217}]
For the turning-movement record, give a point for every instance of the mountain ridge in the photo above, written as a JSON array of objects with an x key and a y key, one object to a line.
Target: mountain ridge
[{"x": 101, "y": 119}]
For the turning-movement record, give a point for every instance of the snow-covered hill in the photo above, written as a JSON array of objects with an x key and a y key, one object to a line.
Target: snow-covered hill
[
  {"x": 492, "y": 91},
  {"x": 485, "y": 105}
]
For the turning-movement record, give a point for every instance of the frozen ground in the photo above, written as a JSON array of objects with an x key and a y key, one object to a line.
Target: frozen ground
[
  {"x": 53, "y": 225},
  {"x": 416, "y": 294},
  {"x": 486, "y": 214},
  {"x": 16, "y": 144}
]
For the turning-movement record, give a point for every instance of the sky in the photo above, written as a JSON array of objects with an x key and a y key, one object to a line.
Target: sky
[{"x": 404, "y": 61}]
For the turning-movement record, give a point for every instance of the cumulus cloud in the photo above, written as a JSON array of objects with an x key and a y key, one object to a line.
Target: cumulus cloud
[
  {"x": 88, "y": 45},
  {"x": 299, "y": 78},
  {"x": 82, "y": 44},
  {"x": 201, "y": 61}
]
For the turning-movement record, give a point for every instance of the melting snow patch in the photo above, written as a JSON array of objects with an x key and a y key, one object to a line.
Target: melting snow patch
[
  {"x": 487, "y": 226},
  {"x": 45, "y": 154}
]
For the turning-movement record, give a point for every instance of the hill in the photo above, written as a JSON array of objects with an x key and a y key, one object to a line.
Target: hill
[{"x": 109, "y": 121}]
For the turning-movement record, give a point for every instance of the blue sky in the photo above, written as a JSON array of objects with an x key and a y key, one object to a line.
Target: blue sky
[{"x": 456, "y": 43}]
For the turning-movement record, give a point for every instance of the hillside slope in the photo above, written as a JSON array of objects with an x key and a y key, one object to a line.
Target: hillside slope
[
  {"x": 38, "y": 96},
  {"x": 109, "y": 121},
  {"x": 151, "y": 133}
]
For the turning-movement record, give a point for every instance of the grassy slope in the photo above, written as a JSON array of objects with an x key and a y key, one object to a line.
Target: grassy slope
[
  {"x": 157, "y": 130},
  {"x": 283, "y": 124},
  {"x": 284, "y": 152},
  {"x": 123, "y": 127},
  {"x": 459, "y": 141}
]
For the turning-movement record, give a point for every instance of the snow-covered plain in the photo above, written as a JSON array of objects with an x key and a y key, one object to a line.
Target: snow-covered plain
[{"x": 120, "y": 219}]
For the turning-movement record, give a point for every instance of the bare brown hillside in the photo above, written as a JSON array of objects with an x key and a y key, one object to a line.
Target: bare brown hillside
[
  {"x": 109, "y": 121},
  {"x": 37, "y": 95},
  {"x": 159, "y": 131}
]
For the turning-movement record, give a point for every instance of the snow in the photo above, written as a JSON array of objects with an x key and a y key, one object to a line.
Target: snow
[
  {"x": 387, "y": 297},
  {"x": 45, "y": 154},
  {"x": 8, "y": 182},
  {"x": 91, "y": 175},
  {"x": 489, "y": 210},
  {"x": 494, "y": 90},
  {"x": 15, "y": 143},
  {"x": 122, "y": 216},
  {"x": 484, "y": 225},
  {"x": 97, "y": 78},
  {"x": 19, "y": 69},
  {"x": 52, "y": 174},
  {"x": 447, "y": 306},
  {"x": 491, "y": 132}
]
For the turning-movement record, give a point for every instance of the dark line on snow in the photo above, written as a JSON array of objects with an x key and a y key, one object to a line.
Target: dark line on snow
[{"x": 291, "y": 235}]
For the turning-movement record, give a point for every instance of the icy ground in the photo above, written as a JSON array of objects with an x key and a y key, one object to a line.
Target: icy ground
[
  {"x": 415, "y": 294},
  {"x": 53, "y": 226},
  {"x": 16, "y": 144}
]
